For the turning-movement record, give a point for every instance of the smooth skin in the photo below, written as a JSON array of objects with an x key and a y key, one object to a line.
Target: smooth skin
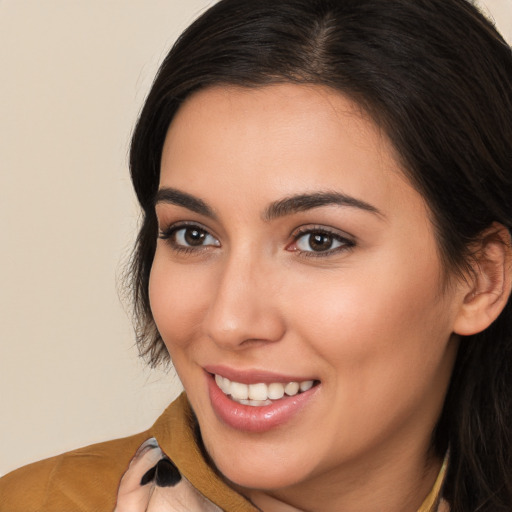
[{"x": 351, "y": 295}]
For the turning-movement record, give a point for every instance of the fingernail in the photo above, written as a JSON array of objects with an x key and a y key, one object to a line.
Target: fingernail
[
  {"x": 146, "y": 446},
  {"x": 167, "y": 474},
  {"x": 148, "y": 476}
]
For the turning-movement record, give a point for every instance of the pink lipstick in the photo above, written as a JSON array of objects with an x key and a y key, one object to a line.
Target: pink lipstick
[{"x": 262, "y": 401}]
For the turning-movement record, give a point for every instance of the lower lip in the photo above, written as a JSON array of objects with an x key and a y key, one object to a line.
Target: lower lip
[{"x": 249, "y": 418}]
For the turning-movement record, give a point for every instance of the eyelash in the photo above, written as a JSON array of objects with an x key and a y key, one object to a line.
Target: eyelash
[
  {"x": 346, "y": 244},
  {"x": 169, "y": 233}
]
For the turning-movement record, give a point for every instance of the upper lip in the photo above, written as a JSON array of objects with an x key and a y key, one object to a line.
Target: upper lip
[{"x": 253, "y": 376}]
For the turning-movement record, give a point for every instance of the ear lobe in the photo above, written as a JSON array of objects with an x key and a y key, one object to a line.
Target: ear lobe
[{"x": 489, "y": 284}]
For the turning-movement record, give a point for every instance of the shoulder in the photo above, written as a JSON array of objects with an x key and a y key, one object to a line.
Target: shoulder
[{"x": 83, "y": 480}]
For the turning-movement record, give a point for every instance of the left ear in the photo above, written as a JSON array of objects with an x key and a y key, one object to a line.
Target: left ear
[{"x": 489, "y": 284}]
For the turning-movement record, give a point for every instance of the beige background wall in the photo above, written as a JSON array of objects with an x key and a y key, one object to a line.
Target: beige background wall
[{"x": 73, "y": 75}]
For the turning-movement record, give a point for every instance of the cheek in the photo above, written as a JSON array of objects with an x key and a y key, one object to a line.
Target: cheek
[
  {"x": 384, "y": 342},
  {"x": 178, "y": 300},
  {"x": 389, "y": 312}
]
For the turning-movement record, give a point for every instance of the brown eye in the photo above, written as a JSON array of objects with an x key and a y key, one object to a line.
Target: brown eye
[
  {"x": 317, "y": 241},
  {"x": 182, "y": 237},
  {"x": 193, "y": 236},
  {"x": 320, "y": 241}
]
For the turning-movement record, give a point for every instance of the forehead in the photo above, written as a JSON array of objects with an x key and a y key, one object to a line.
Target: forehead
[
  {"x": 280, "y": 140},
  {"x": 288, "y": 112}
]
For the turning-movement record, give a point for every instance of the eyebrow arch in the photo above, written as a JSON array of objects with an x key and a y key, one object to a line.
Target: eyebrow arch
[
  {"x": 303, "y": 202},
  {"x": 173, "y": 196},
  {"x": 287, "y": 206}
]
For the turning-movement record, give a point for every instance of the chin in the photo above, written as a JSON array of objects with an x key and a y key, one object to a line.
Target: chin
[
  {"x": 252, "y": 466},
  {"x": 263, "y": 479}
]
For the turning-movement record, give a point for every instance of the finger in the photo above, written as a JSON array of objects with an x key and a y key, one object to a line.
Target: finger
[
  {"x": 181, "y": 497},
  {"x": 135, "y": 489}
]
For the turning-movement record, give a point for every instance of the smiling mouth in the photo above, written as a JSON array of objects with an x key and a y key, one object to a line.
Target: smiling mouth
[{"x": 261, "y": 394}]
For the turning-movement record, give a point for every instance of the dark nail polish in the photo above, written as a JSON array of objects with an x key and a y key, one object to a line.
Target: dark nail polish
[
  {"x": 167, "y": 474},
  {"x": 149, "y": 475}
]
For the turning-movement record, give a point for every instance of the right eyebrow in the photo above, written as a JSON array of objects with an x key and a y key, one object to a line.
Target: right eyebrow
[
  {"x": 168, "y": 195},
  {"x": 303, "y": 202}
]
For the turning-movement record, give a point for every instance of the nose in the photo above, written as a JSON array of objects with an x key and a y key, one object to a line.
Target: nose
[{"x": 245, "y": 308}]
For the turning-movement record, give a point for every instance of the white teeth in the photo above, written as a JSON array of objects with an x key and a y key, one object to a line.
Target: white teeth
[
  {"x": 292, "y": 388},
  {"x": 307, "y": 384},
  {"x": 275, "y": 391},
  {"x": 255, "y": 403},
  {"x": 219, "y": 380},
  {"x": 239, "y": 391},
  {"x": 260, "y": 394},
  {"x": 258, "y": 391},
  {"x": 223, "y": 383}
]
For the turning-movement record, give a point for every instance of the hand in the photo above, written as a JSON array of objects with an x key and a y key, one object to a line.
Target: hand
[{"x": 153, "y": 483}]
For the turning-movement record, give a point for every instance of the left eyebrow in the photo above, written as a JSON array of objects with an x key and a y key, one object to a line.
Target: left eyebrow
[
  {"x": 303, "y": 202},
  {"x": 177, "y": 197}
]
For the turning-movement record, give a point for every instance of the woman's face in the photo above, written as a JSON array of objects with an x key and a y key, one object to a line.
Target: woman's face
[{"x": 293, "y": 253}]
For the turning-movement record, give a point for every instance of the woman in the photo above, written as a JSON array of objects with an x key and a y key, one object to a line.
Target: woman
[{"x": 325, "y": 256}]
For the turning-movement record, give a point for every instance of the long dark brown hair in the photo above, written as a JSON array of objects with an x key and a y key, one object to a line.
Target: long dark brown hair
[{"x": 437, "y": 77}]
